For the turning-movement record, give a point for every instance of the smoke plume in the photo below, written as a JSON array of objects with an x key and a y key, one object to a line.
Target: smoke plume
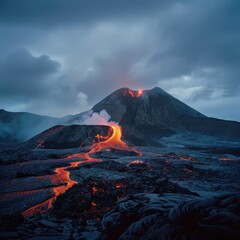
[{"x": 101, "y": 118}]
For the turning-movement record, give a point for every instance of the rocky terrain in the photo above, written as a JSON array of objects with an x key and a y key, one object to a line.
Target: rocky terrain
[
  {"x": 163, "y": 174},
  {"x": 154, "y": 216},
  {"x": 153, "y": 111},
  {"x": 77, "y": 214}
]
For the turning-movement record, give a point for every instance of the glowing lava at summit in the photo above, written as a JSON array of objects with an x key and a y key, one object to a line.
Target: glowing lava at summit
[
  {"x": 133, "y": 93},
  {"x": 139, "y": 93}
]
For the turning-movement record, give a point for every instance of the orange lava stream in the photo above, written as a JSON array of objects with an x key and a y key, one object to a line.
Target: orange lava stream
[{"x": 63, "y": 176}]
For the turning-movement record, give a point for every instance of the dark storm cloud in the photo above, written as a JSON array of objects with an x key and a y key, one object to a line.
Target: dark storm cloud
[
  {"x": 58, "y": 12},
  {"x": 24, "y": 75},
  {"x": 201, "y": 35},
  {"x": 189, "y": 48},
  {"x": 30, "y": 83}
]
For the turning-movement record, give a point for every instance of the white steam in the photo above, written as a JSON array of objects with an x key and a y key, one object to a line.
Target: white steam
[{"x": 101, "y": 118}]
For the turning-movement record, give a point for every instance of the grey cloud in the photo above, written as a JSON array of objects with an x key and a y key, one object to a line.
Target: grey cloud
[
  {"x": 23, "y": 63},
  {"x": 31, "y": 83},
  {"x": 23, "y": 75},
  {"x": 104, "y": 45},
  {"x": 112, "y": 72},
  {"x": 60, "y": 12},
  {"x": 202, "y": 35},
  {"x": 201, "y": 94}
]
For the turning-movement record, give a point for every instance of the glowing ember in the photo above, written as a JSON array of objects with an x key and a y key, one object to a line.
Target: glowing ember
[
  {"x": 120, "y": 185},
  {"x": 133, "y": 93},
  {"x": 226, "y": 159},
  {"x": 191, "y": 159},
  {"x": 94, "y": 189},
  {"x": 139, "y": 93}
]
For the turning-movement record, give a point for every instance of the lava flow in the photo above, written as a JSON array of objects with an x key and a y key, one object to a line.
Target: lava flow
[{"x": 63, "y": 176}]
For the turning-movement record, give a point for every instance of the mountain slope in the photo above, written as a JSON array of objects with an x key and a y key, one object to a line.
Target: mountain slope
[
  {"x": 16, "y": 127},
  {"x": 75, "y": 136},
  {"x": 152, "y": 107},
  {"x": 155, "y": 109}
]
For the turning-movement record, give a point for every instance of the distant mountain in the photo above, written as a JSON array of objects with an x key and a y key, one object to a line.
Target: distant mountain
[{"x": 17, "y": 127}]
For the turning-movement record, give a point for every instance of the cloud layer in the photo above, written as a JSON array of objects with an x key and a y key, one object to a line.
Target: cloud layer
[{"x": 60, "y": 57}]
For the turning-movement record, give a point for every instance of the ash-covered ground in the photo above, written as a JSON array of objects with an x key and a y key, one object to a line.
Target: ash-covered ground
[{"x": 124, "y": 195}]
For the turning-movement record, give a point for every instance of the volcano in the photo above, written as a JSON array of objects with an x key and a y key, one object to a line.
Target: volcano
[
  {"x": 143, "y": 115},
  {"x": 152, "y": 113},
  {"x": 157, "y": 112}
]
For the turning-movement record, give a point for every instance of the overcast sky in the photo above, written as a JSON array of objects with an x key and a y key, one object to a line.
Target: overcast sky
[{"x": 60, "y": 57}]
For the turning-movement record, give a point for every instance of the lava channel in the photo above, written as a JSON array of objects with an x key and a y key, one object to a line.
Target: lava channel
[{"x": 63, "y": 175}]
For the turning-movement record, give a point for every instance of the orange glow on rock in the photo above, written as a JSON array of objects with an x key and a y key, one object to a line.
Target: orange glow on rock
[
  {"x": 133, "y": 93},
  {"x": 225, "y": 159},
  {"x": 61, "y": 179},
  {"x": 94, "y": 189},
  {"x": 139, "y": 93},
  {"x": 120, "y": 185}
]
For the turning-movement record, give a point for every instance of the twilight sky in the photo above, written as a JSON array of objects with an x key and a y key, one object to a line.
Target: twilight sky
[{"x": 60, "y": 57}]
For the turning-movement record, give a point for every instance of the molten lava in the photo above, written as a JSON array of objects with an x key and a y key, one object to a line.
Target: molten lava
[
  {"x": 133, "y": 93},
  {"x": 120, "y": 185},
  {"x": 226, "y": 159},
  {"x": 139, "y": 93},
  {"x": 113, "y": 140}
]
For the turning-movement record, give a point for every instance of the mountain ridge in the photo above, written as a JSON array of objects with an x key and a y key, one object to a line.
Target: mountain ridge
[{"x": 153, "y": 111}]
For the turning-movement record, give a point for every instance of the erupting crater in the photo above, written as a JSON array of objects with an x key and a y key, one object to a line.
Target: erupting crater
[{"x": 132, "y": 93}]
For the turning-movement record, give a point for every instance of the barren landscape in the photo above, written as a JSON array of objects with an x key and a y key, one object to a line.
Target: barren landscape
[{"x": 79, "y": 181}]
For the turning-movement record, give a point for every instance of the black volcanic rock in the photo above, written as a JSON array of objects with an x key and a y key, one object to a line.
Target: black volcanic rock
[
  {"x": 152, "y": 107},
  {"x": 74, "y": 136},
  {"x": 135, "y": 137},
  {"x": 94, "y": 196},
  {"x": 152, "y": 216}
]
